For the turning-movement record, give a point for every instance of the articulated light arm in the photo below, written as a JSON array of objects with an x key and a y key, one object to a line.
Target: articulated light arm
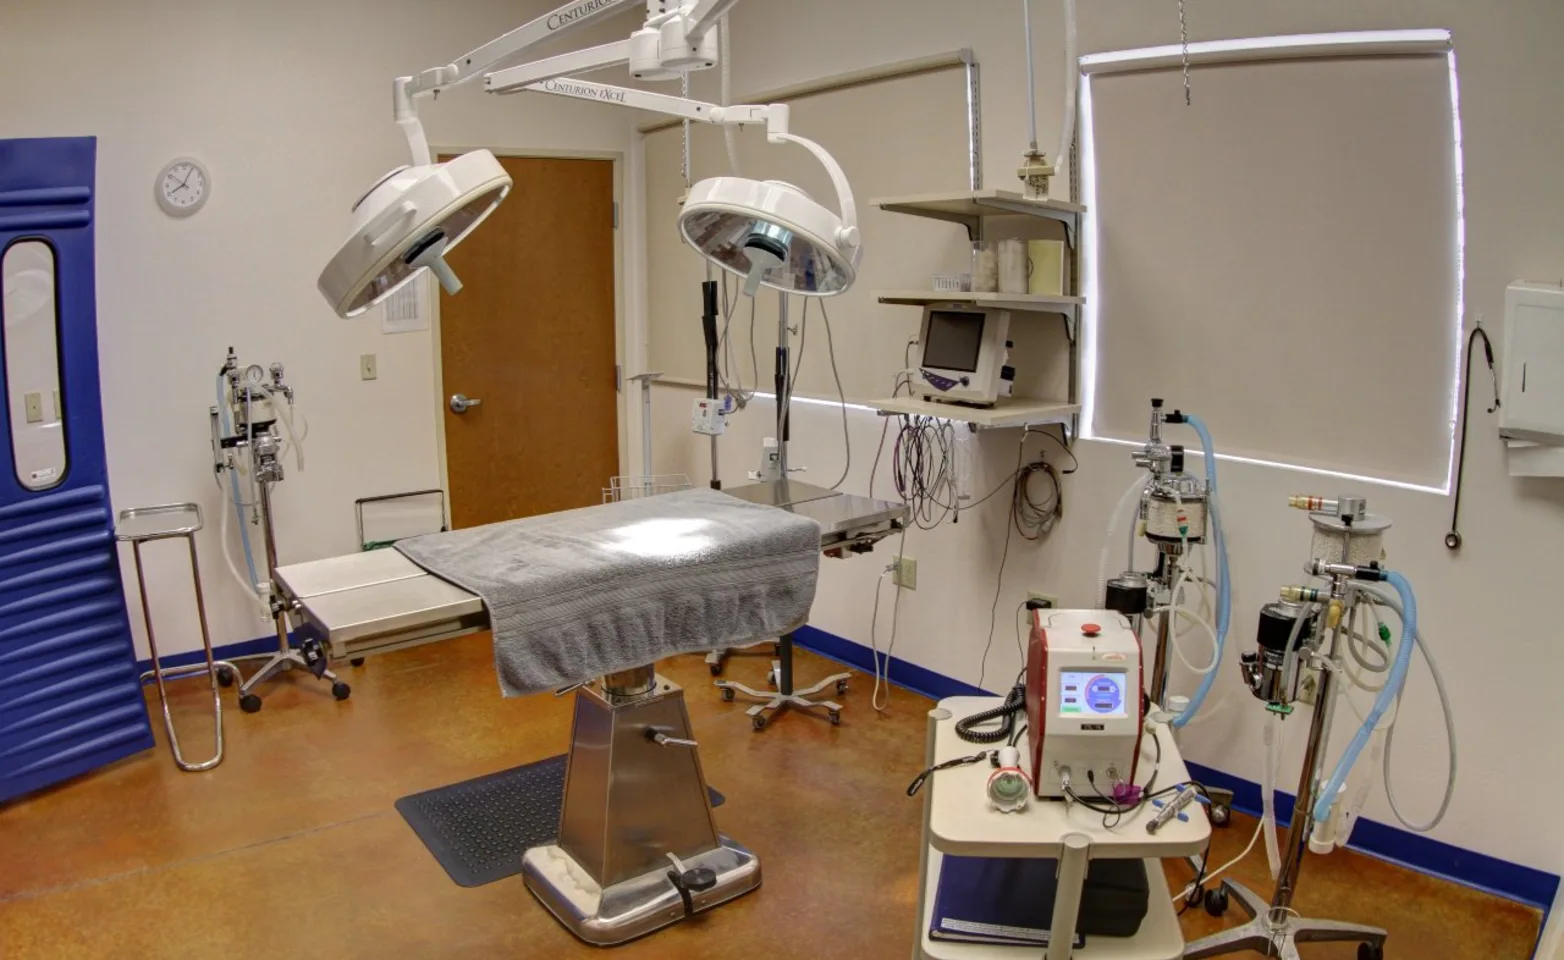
[
  {"x": 706, "y": 14},
  {"x": 775, "y": 116},
  {"x": 567, "y": 18}
]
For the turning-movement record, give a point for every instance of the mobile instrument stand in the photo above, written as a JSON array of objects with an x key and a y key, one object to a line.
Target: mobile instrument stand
[
  {"x": 785, "y": 696},
  {"x": 781, "y": 674},
  {"x": 142, "y": 525}
]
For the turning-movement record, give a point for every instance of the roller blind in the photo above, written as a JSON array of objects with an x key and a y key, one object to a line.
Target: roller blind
[
  {"x": 899, "y": 136},
  {"x": 1280, "y": 257}
]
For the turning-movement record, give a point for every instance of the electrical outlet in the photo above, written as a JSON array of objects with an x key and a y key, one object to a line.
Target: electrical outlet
[
  {"x": 34, "y": 403},
  {"x": 904, "y": 573},
  {"x": 1309, "y": 686},
  {"x": 367, "y": 369},
  {"x": 1051, "y": 603}
]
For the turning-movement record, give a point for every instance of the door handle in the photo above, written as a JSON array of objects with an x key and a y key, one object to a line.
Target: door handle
[{"x": 461, "y": 404}]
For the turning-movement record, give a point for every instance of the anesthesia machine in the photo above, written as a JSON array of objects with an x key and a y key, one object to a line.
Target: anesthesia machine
[
  {"x": 253, "y": 431},
  {"x": 1179, "y": 515},
  {"x": 1329, "y": 627}
]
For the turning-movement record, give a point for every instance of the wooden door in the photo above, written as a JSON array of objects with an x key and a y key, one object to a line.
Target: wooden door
[{"x": 532, "y": 335}]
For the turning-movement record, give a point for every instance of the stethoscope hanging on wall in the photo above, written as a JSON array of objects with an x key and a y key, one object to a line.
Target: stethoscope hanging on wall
[{"x": 1453, "y": 538}]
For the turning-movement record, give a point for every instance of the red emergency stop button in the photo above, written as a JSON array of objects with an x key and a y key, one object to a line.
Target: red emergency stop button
[{"x": 1091, "y": 629}]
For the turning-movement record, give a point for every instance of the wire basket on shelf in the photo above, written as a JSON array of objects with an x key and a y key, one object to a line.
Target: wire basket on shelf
[{"x": 634, "y": 488}]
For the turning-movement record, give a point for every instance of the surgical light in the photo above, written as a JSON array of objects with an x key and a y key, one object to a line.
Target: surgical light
[
  {"x": 408, "y": 221},
  {"x": 769, "y": 233}
]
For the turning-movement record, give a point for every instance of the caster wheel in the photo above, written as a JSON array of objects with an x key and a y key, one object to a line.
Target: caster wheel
[
  {"x": 716, "y": 669},
  {"x": 1369, "y": 951},
  {"x": 771, "y": 679},
  {"x": 727, "y": 695},
  {"x": 760, "y": 722},
  {"x": 341, "y": 690},
  {"x": 250, "y": 703},
  {"x": 841, "y": 686},
  {"x": 225, "y": 677},
  {"x": 836, "y": 718},
  {"x": 1216, "y": 901},
  {"x": 357, "y": 661},
  {"x": 776, "y": 649}
]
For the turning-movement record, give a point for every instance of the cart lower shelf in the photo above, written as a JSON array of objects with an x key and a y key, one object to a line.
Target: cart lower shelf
[{"x": 1159, "y": 937}]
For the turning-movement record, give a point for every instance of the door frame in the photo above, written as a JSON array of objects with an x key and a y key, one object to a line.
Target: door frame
[{"x": 618, "y": 160}]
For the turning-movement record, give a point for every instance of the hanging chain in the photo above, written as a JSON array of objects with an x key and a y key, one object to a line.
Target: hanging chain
[{"x": 1183, "y": 39}]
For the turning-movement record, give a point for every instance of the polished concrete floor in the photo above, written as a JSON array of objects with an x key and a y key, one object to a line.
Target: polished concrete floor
[{"x": 292, "y": 847}]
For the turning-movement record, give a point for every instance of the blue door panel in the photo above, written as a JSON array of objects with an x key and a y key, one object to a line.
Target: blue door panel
[{"x": 70, "y": 695}]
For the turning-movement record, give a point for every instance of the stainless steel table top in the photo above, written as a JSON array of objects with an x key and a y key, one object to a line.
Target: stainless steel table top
[{"x": 840, "y": 515}]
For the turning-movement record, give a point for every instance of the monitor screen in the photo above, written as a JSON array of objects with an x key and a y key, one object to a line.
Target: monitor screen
[
  {"x": 953, "y": 340},
  {"x": 1093, "y": 693}
]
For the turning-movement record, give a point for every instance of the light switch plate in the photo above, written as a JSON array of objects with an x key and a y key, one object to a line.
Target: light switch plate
[
  {"x": 34, "y": 403},
  {"x": 367, "y": 369}
]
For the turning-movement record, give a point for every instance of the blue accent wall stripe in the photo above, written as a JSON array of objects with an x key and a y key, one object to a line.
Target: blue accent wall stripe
[{"x": 1416, "y": 852}]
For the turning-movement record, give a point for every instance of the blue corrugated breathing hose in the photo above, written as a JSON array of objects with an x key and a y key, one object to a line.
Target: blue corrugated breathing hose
[
  {"x": 1382, "y": 702},
  {"x": 1224, "y": 592}
]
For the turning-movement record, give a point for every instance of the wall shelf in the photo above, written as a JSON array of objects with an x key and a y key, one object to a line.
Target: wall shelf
[
  {"x": 1008, "y": 412},
  {"x": 969, "y": 207},
  {"x": 1063, "y": 304}
]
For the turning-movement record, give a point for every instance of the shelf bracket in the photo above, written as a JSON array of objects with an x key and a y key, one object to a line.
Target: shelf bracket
[{"x": 1070, "y": 220}]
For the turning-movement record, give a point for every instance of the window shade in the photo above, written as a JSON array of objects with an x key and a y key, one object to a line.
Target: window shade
[{"x": 1280, "y": 257}]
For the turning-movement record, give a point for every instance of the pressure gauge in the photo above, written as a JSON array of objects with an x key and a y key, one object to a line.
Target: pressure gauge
[
  {"x": 183, "y": 187},
  {"x": 255, "y": 373}
]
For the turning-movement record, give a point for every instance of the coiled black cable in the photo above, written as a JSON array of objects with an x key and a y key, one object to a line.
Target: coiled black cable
[{"x": 1005, "y": 713}]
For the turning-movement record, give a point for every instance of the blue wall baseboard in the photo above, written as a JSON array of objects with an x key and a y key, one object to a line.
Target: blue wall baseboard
[{"x": 1524, "y": 884}]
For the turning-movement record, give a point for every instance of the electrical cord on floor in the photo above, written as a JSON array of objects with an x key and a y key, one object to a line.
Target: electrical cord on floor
[
  {"x": 882, "y": 673},
  {"x": 1004, "y": 715}
]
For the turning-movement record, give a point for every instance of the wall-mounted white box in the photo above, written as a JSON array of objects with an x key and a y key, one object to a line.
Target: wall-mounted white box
[{"x": 1532, "y": 377}]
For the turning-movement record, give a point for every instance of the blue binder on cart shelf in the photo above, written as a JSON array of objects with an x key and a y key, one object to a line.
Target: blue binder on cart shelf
[
  {"x": 988, "y": 900},
  {"x": 1011, "y": 901}
]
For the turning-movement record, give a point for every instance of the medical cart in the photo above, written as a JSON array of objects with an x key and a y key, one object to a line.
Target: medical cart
[{"x": 958, "y": 820}]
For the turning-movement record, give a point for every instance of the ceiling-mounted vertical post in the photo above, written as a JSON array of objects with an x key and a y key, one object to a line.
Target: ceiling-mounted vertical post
[{"x": 974, "y": 119}]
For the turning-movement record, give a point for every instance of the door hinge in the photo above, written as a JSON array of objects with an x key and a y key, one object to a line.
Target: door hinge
[
  {"x": 619, "y": 378},
  {"x": 616, "y": 214}
]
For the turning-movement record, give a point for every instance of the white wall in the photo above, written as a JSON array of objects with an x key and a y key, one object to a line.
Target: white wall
[
  {"x": 288, "y": 102},
  {"x": 1483, "y": 609}
]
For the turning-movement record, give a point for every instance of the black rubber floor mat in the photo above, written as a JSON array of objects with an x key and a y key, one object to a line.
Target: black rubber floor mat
[{"x": 478, "y": 829}]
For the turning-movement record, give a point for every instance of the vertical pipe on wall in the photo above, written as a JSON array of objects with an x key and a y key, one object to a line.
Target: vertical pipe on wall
[{"x": 974, "y": 119}]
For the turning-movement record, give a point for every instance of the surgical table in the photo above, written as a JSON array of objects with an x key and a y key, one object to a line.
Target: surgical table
[
  {"x": 378, "y": 601},
  {"x": 638, "y": 846}
]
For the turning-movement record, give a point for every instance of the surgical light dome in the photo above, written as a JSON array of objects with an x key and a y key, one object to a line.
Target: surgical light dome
[
  {"x": 410, "y": 220},
  {"x": 772, "y": 234}
]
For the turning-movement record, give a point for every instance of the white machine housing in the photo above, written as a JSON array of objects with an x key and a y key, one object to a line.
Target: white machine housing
[
  {"x": 962, "y": 353},
  {"x": 1085, "y": 710}
]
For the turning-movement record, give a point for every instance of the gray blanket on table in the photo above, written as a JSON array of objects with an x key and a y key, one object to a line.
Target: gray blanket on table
[{"x": 581, "y": 593}]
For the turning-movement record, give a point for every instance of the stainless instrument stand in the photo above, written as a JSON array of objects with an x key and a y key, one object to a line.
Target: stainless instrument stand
[
  {"x": 718, "y": 659},
  {"x": 785, "y": 697},
  {"x": 142, "y": 525},
  {"x": 286, "y": 658},
  {"x": 638, "y": 845}
]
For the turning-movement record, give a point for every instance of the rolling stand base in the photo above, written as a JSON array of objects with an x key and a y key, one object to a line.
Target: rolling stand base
[
  {"x": 1280, "y": 938},
  {"x": 604, "y": 916},
  {"x": 775, "y": 701},
  {"x": 279, "y": 663}
]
